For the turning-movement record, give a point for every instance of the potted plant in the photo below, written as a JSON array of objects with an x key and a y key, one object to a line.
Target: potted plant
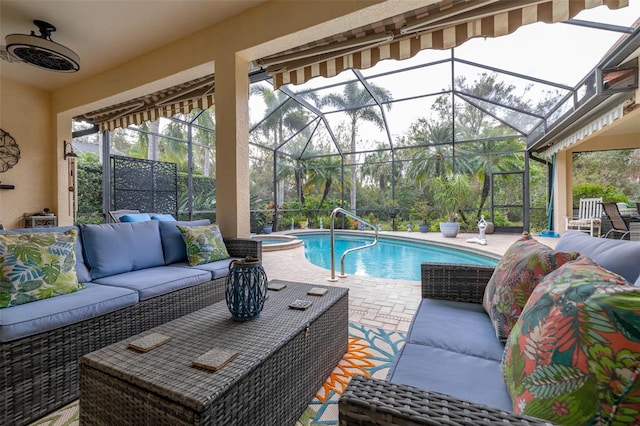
[
  {"x": 420, "y": 210},
  {"x": 450, "y": 194},
  {"x": 267, "y": 218}
]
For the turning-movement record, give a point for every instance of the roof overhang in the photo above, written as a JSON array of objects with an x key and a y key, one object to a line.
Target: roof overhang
[
  {"x": 603, "y": 113},
  {"x": 596, "y": 111}
]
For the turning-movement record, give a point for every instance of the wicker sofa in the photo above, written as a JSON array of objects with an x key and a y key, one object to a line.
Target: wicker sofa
[
  {"x": 135, "y": 277},
  {"x": 449, "y": 372}
]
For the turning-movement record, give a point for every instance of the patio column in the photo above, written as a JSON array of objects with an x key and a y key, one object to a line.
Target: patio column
[{"x": 232, "y": 145}]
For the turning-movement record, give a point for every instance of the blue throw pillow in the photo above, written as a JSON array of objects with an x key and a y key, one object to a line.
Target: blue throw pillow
[
  {"x": 163, "y": 217},
  {"x": 135, "y": 217},
  {"x": 114, "y": 248}
]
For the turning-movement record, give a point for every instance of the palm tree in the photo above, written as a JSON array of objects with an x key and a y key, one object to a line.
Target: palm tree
[
  {"x": 495, "y": 152},
  {"x": 356, "y": 101},
  {"x": 485, "y": 157},
  {"x": 430, "y": 161},
  {"x": 322, "y": 172},
  {"x": 378, "y": 166},
  {"x": 140, "y": 148},
  {"x": 205, "y": 136},
  {"x": 175, "y": 151},
  {"x": 283, "y": 113},
  {"x": 153, "y": 148}
]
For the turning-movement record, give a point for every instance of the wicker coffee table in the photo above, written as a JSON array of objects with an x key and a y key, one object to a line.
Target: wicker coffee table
[{"x": 283, "y": 357}]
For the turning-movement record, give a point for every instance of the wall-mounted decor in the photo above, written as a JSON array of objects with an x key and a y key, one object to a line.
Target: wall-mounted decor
[{"x": 9, "y": 151}]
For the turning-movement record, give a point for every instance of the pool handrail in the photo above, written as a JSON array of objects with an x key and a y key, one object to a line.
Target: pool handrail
[{"x": 333, "y": 243}]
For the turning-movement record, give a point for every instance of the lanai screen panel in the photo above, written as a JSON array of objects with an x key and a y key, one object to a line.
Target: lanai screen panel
[{"x": 144, "y": 185}]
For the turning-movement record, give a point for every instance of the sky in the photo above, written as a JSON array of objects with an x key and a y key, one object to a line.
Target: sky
[{"x": 560, "y": 53}]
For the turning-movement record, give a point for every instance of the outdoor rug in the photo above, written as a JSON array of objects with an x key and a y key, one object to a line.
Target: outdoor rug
[{"x": 371, "y": 352}]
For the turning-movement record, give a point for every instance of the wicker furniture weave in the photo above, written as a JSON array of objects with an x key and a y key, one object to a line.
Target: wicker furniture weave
[
  {"x": 39, "y": 374},
  {"x": 283, "y": 358},
  {"x": 369, "y": 401}
]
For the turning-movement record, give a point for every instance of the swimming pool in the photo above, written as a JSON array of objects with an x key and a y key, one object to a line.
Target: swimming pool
[{"x": 392, "y": 258}]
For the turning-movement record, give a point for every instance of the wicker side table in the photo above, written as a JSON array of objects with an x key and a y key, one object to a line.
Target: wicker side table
[{"x": 283, "y": 358}]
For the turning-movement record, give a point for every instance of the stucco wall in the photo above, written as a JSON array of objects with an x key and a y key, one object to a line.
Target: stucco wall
[{"x": 25, "y": 113}]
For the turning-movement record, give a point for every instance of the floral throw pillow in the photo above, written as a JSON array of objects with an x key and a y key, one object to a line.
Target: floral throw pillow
[
  {"x": 519, "y": 271},
  {"x": 573, "y": 357},
  {"x": 37, "y": 266},
  {"x": 204, "y": 244}
]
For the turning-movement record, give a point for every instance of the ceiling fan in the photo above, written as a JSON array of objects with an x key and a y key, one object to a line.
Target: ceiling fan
[{"x": 40, "y": 50}]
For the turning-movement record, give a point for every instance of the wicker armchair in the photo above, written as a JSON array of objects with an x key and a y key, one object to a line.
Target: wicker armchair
[{"x": 369, "y": 401}]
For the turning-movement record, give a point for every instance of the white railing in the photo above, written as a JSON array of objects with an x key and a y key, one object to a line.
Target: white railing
[{"x": 333, "y": 242}]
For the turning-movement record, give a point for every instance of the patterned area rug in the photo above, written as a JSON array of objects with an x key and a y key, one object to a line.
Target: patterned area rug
[{"x": 370, "y": 353}]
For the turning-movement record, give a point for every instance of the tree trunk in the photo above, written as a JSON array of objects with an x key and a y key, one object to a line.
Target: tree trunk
[{"x": 152, "y": 149}]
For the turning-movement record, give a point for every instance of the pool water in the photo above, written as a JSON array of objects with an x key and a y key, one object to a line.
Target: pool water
[{"x": 389, "y": 258}]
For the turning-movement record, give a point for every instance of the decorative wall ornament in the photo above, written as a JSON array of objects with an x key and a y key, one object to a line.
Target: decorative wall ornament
[{"x": 9, "y": 151}]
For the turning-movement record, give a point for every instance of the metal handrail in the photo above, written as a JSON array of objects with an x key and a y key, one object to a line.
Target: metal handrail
[{"x": 333, "y": 243}]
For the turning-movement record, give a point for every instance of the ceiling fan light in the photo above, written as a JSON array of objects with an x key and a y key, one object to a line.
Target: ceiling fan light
[{"x": 41, "y": 51}]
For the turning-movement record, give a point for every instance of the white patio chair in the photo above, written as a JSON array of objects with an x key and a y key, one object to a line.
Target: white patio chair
[{"x": 589, "y": 217}]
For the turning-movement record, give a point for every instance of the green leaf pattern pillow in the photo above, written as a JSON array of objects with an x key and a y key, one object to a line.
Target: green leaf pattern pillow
[
  {"x": 519, "y": 271},
  {"x": 37, "y": 266},
  {"x": 573, "y": 356},
  {"x": 204, "y": 244}
]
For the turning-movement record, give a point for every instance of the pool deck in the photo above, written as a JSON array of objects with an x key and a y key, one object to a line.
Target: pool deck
[{"x": 378, "y": 302}]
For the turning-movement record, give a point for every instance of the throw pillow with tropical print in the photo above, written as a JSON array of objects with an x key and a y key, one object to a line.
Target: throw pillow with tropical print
[{"x": 573, "y": 356}]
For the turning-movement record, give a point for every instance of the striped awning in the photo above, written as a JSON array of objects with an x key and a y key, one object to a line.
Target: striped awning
[
  {"x": 182, "y": 98},
  {"x": 442, "y": 25},
  {"x": 594, "y": 125}
]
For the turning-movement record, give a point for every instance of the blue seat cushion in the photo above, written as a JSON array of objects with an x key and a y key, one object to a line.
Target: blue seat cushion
[
  {"x": 48, "y": 314},
  {"x": 617, "y": 256},
  {"x": 455, "y": 326},
  {"x": 82, "y": 271},
  {"x": 153, "y": 282},
  {"x": 114, "y": 248},
  {"x": 172, "y": 242},
  {"x": 463, "y": 376},
  {"x": 218, "y": 269}
]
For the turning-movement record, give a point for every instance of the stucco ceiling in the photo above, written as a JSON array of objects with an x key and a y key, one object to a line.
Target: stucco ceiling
[{"x": 106, "y": 33}]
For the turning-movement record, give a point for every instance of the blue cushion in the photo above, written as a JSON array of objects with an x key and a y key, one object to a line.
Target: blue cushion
[
  {"x": 94, "y": 300},
  {"x": 455, "y": 326},
  {"x": 163, "y": 217},
  {"x": 114, "y": 248},
  {"x": 135, "y": 217},
  {"x": 618, "y": 256},
  {"x": 172, "y": 242},
  {"x": 156, "y": 281},
  {"x": 82, "y": 272},
  {"x": 218, "y": 269},
  {"x": 463, "y": 376}
]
